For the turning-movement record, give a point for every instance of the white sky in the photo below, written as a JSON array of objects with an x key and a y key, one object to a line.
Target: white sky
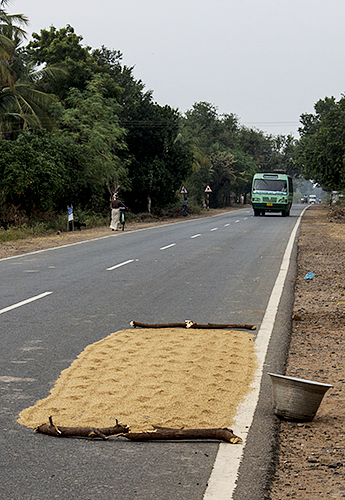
[{"x": 267, "y": 61}]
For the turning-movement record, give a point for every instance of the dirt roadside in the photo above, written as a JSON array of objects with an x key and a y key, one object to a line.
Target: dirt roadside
[
  {"x": 311, "y": 457},
  {"x": 18, "y": 247},
  {"x": 311, "y": 462}
]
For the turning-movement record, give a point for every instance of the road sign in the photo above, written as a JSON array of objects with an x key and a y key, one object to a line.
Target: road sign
[
  {"x": 208, "y": 189},
  {"x": 183, "y": 190},
  {"x": 70, "y": 213}
]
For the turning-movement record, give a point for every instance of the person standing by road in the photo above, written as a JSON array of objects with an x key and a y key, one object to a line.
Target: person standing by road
[
  {"x": 115, "y": 212},
  {"x": 185, "y": 207}
]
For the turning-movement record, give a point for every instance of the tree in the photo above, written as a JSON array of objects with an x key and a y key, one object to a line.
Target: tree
[
  {"x": 321, "y": 149},
  {"x": 158, "y": 163},
  {"x": 32, "y": 173},
  {"x": 11, "y": 32},
  {"x": 63, "y": 48},
  {"x": 284, "y": 154},
  {"x": 230, "y": 153},
  {"x": 244, "y": 169},
  {"x": 222, "y": 176},
  {"x": 190, "y": 135},
  {"x": 153, "y": 159},
  {"x": 90, "y": 120},
  {"x": 203, "y": 119},
  {"x": 22, "y": 105}
]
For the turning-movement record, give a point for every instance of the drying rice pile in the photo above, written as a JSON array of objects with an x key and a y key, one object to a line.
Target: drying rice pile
[{"x": 172, "y": 377}]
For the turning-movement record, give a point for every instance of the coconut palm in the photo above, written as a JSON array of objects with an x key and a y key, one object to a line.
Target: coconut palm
[
  {"x": 22, "y": 105},
  {"x": 11, "y": 33}
]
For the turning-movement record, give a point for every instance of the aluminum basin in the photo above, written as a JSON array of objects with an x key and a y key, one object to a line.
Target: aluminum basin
[{"x": 295, "y": 398}]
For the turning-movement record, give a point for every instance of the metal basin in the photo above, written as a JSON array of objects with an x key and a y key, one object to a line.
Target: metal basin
[{"x": 295, "y": 398}]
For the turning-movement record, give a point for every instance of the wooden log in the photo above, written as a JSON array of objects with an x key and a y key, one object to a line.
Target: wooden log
[
  {"x": 157, "y": 325},
  {"x": 165, "y": 433},
  {"x": 216, "y": 326},
  {"x": 191, "y": 324},
  {"x": 91, "y": 432}
]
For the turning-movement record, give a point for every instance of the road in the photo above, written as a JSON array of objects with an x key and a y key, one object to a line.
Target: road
[{"x": 53, "y": 303}]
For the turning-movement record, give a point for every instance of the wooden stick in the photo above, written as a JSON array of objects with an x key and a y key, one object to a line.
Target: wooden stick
[
  {"x": 159, "y": 433},
  {"x": 158, "y": 325},
  {"x": 215, "y": 326},
  {"x": 52, "y": 430},
  {"x": 165, "y": 433},
  {"x": 191, "y": 324}
]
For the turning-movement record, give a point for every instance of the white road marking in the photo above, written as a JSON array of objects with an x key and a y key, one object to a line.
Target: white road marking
[
  {"x": 226, "y": 225},
  {"x": 214, "y": 229},
  {"x": 120, "y": 265},
  {"x": 168, "y": 246},
  {"x": 24, "y": 302},
  {"x": 237, "y": 220},
  {"x": 155, "y": 228},
  {"x": 8, "y": 379},
  {"x": 245, "y": 218},
  {"x": 195, "y": 236},
  {"x": 222, "y": 482}
]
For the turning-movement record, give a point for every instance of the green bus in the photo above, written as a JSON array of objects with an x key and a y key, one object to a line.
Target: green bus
[{"x": 272, "y": 192}]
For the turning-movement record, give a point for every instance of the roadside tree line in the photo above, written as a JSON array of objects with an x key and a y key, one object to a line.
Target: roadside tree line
[
  {"x": 321, "y": 148},
  {"x": 77, "y": 126}
]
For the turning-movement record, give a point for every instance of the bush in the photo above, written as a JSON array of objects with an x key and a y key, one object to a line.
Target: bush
[
  {"x": 17, "y": 226},
  {"x": 195, "y": 209}
]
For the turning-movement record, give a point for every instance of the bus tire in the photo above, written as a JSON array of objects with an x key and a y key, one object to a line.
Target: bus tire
[
  {"x": 284, "y": 213},
  {"x": 256, "y": 212}
]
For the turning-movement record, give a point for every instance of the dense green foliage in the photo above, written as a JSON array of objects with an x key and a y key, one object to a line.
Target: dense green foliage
[
  {"x": 22, "y": 104},
  {"x": 227, "y": 154},
  {"x": 321, "y": 151},
  {"x": 76, "y": 127}
]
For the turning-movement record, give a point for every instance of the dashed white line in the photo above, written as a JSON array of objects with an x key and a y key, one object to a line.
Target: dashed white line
[
  {"x": 214, "y": 229},
  {"x": 226, "y": 225},
  {"x": 195, "y": 236},
  {"x": 168, "y": 246},
  {"x": 120, "y": 265},
  {"x": 237, "y": 220},
  {"x": 24, "y": 302}
]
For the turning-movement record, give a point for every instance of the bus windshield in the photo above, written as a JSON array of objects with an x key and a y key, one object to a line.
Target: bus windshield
[{"x": 272, "y": 185}]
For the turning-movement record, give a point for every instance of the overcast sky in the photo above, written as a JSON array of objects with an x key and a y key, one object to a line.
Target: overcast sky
[{"x": 267, "y": 61}]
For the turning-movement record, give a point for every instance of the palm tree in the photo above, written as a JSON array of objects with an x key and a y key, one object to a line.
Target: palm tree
[
  {"x": 22, "y": 106},
  {"x": 11, "y": 32}
]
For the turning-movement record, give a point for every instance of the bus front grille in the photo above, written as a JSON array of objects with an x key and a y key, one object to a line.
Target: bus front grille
[{"x": 269, "y": 199}]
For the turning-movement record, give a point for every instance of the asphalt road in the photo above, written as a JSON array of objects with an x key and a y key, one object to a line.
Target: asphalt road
[{"x": 215, "y": 269}]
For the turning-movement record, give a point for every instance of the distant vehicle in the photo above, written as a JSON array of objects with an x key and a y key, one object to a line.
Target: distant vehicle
[
  {"x": 312, "y": 199},
  {"x": 304, "y": 199},
  {"x": 272, "y": 192}
]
